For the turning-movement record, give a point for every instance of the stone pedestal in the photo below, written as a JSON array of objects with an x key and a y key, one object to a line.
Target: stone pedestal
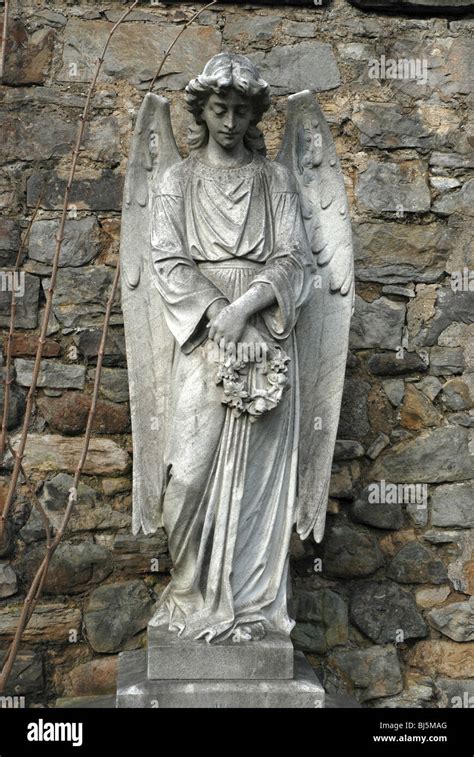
[
  {"x": 173, "y": 673},
  {"x": 172, "y": 658}
]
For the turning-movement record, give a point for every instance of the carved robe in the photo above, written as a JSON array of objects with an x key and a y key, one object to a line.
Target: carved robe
[{"x": 230, "y": 499}]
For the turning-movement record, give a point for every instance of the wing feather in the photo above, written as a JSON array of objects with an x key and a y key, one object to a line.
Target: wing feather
[
  {"x": 322, "y": 331},
  {"x": 149, "y": 342}
]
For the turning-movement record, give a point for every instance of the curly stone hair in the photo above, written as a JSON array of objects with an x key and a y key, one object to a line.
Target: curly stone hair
[{"x": 223, "y": 72}]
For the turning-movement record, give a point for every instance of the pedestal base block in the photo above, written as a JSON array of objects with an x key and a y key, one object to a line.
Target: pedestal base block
[
  {"x": 173, "y": 658},
  {"x": 134, "y": 689}
]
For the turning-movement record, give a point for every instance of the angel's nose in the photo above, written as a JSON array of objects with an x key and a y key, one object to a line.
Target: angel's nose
[{"x": 229, "y": 120}]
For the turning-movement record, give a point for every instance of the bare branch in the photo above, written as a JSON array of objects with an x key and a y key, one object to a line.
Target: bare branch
[
  {"x": 7, "y": 377},
  {"x": 36, "y": 587},
  {"x": 3, "y": 48},
  {"x": 55, "y": 264},
  {"x": 170, "y": 47}
]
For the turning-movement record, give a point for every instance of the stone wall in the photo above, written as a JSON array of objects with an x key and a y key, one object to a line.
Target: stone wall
[{"x": 383, "y": 608}]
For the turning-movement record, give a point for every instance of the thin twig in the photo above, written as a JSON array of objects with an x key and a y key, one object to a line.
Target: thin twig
[
  {"x": 7, "y": 377},
  {"x": 55, "y": 264},
  {"x": 170, "y": 47},
  {"x": 3, "y": 48},
  {"x": 35, "y": 589}
]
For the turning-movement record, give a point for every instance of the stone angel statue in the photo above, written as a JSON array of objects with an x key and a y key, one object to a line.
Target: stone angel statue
[{"x": 226, "y": 249}]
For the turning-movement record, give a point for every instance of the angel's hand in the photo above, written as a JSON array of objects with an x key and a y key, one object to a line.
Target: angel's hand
[{"x": 228, "y": 325}]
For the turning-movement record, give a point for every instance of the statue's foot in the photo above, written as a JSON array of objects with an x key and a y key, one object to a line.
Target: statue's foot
[{"x": 249, "y": 632}]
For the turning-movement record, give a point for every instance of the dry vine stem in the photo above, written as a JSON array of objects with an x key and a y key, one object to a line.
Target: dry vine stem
[
  {"x": 7, "y": 378},
  {"x": 35, "y": 589},
  {"x": 37, "y": 583},
  {"x": 49, "y": 299},
  {"x": 170, "y": 47},
  {"x": 3, "y": 48}
]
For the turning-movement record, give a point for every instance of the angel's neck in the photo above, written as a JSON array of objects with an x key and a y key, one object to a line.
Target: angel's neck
[{"x": 218, "y": 157}]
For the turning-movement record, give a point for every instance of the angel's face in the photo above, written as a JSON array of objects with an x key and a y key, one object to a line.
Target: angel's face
[{"x": 227, "y": 116}]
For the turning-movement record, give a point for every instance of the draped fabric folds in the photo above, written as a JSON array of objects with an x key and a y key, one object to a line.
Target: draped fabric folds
[{"x": 230, "y": 500}]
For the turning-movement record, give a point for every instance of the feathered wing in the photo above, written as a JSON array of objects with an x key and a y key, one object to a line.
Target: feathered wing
[
  {"x": 149, "y": 342},
  {"x": 322, "y": 330}
]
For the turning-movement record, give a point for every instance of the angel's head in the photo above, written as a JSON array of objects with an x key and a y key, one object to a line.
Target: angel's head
[{"x": 228, "y": 100}]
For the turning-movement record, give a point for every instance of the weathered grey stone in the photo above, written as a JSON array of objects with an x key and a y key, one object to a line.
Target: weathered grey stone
[
  {"x": 26, "y": 316},
  {"x": 445, "y": 361},
  {"x": 377, "y": 324},
  {"x": 8, "y": 580},
  {"x": 386, "y": 126},
  {"x": 415, "y": 564},
  {"x": 92, "y": 191},
  {"x": 42, "y": 135},
  {"x": 89, "y": 514},
  {"x": 50, "y": 622},
  {"x": 73, "y": 567},
  {"x": 135, "y": 690},
  {"x": 88, "y": 342},
  {"x": 378, "y": 514},
  {"x": 461, "y": 202},
  {"x": 455, "y": 621},
  {"x": 444, "y": 183},
  {"x": 394, "y": 187},
  {"x": 354, "y": 419},
  {"x": 80, "y": 244},
  {"x": 453, "y": 505},
  {"x": 52, "y": 18},
  {"x": 54, "y": 96},
  {"x": 382, "y": 364},
  {"x": 27, "y": 674},
  {"x": 133, "y": 55},
  {"x": 430, "y": 386},
  {"x": 249, "y": 29},
  {"x": 433, "y": 457},
  {"x": 349, "y": 552},
  {"x": 458, "y": 393},
  {"x": 16, "y": 406},
  {"x": 298, "y": 28},
  {"x": 52, "y": 374},
  {"x": 115, "y": 613},
  {"x": 51, "y": 452},
  {"x": 172, "y": 658},
  {"x": 292, "y": 68},
  {"x": 399, "y": 291},
  {"x": 378, "y": 445},
  {"x": 80, "y": 297},
  {"x": 441, "y": 537},
  {"x": 373, "y": 672},
  {"x": 142, "y": 553},
  {"x": 348, "y": 449},
  {"x": 394, "y": 389},
  {"x": 450, "y": 160},
  {"x": 451, "y": 307},
  {"x": 9, "y": 241},
  {"x": 321, "y": 620},
  {"x": 113, "y": 384},
  {"x": 384, "y": 612}
]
